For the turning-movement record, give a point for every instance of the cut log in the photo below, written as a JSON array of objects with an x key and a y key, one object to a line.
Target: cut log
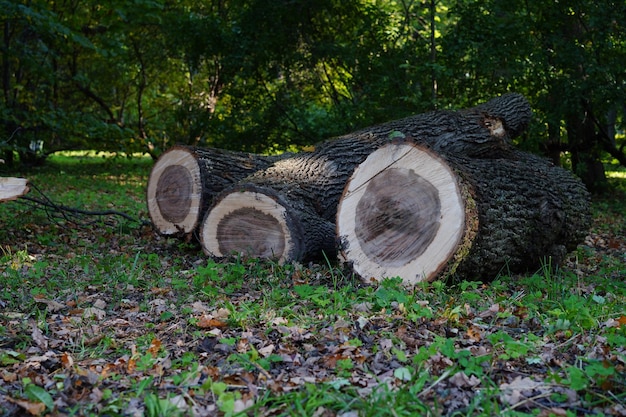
[
  {"x": 12, "y": 188},
  {"x": 184, "y": 181},
  {"x": 402, "y": 214},
  {"x": 435, "y": 194},
  {"x": 258, "y": 222},
  {"x": 483, "y": 131},
  {"x": 409, "y": 213}
]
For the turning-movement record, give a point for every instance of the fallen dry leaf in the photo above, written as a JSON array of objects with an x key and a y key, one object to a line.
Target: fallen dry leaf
[
  {"x": 491, "y": 311},
  {"x": 518, "y": 390},
  {"x": 8, "y": 376},
  {"x": 32, "y": 408},
  {"x": 51, "y": 305},
  {"x": 266, "y": 350},
  {"x": 66, "y": 360},
  {"x": 474, "y": 333},
  {"x": 38, "y": 337},
  {"x": 461, "y": 380},
  {"x": 94, "y": 313},
  {"x": 206, "y": 322},
  {"x": 199, "y": 307},
  {"x": 221, "y": 313},
  {"x": 155, "y": 347}
]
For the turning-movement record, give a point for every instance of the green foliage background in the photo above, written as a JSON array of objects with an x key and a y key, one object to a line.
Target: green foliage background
[{"x": 267, "y": 75}]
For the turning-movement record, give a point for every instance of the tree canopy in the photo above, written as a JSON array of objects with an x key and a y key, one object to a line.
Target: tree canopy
[{"x": 268, "y": 75}]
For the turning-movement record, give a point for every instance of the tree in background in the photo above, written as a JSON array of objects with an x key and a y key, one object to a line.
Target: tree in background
[
  {"x": 247, "y": 74},
  {"x": 34, "y": 42},
  {"x": 568, "y": 58},
  {"x": 277, "y": 74},
  {"x": 272, "y": 75},
  {"x": 72, "y": 76}
]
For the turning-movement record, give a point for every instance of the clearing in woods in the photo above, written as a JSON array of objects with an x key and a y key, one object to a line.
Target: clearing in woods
[{"x": 101, "y": 316}]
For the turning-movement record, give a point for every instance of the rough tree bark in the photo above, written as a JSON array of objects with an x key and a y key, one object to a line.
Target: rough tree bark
[
  {"x": 409, "y": 213},
  {"x": 259, "y": 222},
  {"x": 184, "y": 181},
  {"x": 492, "y": 207}
]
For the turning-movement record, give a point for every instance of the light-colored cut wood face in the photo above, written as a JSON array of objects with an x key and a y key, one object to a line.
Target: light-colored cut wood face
[
  {"x": 247, "y": 223},
  {"x": 173, "y": 191},
  {"x": 402, "y": 214},
  {"x": 397, "y": 217},
  {"x": 12, "y": 188},
  {"x": 251, "y": 232}
]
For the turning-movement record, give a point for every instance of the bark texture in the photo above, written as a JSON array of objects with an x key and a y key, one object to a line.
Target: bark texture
[
  {"x": 529, "y": 212},
  {"x": 184, "y": 181},
  {"x": 515, "y": 213},
  {"x": 259, "y": 222}
]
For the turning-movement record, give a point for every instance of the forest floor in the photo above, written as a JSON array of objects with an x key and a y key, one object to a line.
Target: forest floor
[{"x": 101, "y": 316}]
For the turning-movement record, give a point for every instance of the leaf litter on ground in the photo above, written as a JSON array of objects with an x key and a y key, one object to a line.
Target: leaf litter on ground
[{"x": 105, "y": 320}]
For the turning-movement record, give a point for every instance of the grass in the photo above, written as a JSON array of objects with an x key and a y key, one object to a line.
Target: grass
[{"x": 100, "y": 316}]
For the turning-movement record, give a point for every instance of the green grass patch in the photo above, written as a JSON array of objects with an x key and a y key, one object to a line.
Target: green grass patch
[{"x": 100, "y": 316}]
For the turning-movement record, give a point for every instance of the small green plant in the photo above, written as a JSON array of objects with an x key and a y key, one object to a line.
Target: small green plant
[
  {"x": 317, "y": 294},
  {"x": 344, "y": 366},
  {"x": 507, "y": 347},
  {"x": 390, "y": 291},
  {"x": 214, "y": 279},
  {"x": 37, "y": 394},
  {"x": 160, "y": 407}
]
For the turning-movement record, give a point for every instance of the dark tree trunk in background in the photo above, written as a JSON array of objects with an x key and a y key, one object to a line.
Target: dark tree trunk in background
[{"x": 586, "y": 151}]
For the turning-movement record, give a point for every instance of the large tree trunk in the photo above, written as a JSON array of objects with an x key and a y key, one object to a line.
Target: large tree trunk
[
  {"x": 184, "y": 181},
  {"x": 319, "y": 177},
  {"x": 437, "y": 193},
  {"x": 409, "y": 213}
]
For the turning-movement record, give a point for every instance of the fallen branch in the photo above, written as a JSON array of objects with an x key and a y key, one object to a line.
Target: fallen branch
[{"x": 68, "y": 213}]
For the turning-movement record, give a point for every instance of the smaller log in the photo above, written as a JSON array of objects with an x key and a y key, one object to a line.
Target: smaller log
[
  {"x": 258, "y": 222},
  {"x": 11, "y": 188},
  {"x": 185, "y": 180}
]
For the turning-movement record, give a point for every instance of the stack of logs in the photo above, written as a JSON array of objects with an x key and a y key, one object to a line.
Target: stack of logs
[{"x": 427, "y": 196}]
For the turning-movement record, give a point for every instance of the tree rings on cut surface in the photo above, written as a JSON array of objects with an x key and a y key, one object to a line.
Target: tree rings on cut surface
[
  {"x": 249, "y": 223},
  {"x": 402, "y": 214},
  {"x": 175, "y": 192}
]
